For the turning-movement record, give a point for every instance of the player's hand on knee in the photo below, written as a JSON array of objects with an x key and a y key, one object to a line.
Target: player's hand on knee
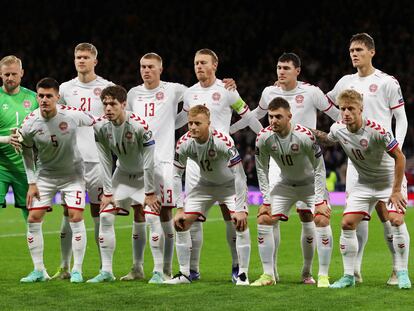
[
  {"x": 398, "y": 201},
  {"x": 152, "y": 201},
  {"x": 179, "y": 218},
  {"x": 32, "y": 192},
  {"x": 105, "y": 201},
  {"x": 240, "y": 221},
  {"x": 323, "y": 209},
  {"x": 264, "y": 210}
]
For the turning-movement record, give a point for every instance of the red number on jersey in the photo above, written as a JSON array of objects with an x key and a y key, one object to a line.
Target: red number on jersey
[
  {"x": 85, "y": 104},
  {"x": 149, "y": 109}
]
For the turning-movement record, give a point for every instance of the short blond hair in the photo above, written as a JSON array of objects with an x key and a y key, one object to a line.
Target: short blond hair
[
  {"x": 349, "y": 96},
  {"x": 199, "y": 109},
  {"x": 85, "y": 46},
  {"x": 209, "y": 52},
  {"x": 11, "y": 59},
  {"x": 152, "y": 55}
]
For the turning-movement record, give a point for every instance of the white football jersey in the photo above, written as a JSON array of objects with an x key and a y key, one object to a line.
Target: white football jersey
[
  {"x": 381, "y": 94},
  {"x": 367, "y": 149},
  {"x": 298, "y": 156},
  {"x": 159, "y": 108},
  {"x": 55, "y": 140},
  {"x": 214, "y": 158},
  {"x": 132, "y": 143},
  {"x": 218, "y": 100},
  {"x": 85, "y": 97},
  {"x": 305, "y": 100}
]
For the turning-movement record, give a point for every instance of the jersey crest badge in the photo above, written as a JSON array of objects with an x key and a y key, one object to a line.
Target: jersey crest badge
[
  {"x": 159, "y": 95},
  {"x": 97, "y": 91},
  {"x": 299, "y": 99},
  {"x": 212, "y": 153},
  {"x": 216, "y": 96},
  {"x": 27, "y": 104},
  {"x": 364, "y": 143},
  {"x": 128, "y": 135},
  {"x": 373, "y": 88},
  {"x": 274, "y": 147},
  {"x": 294, "y": 147},
  {"x": 63, "y": 126}
]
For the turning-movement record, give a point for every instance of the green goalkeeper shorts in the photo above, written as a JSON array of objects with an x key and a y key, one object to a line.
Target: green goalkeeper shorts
[{"x": 18, "y": 182}]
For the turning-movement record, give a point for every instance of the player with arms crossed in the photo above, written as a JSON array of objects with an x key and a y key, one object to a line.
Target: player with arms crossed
[
  {"x": 210, "y": 91},
  {"x": 51, "y": 129},
  {"x": 305, "y": 101},
  {"x": 17, "y": 103},
  {"x": 221, "y": 179},
  {"x": 382, "y": 99},
  {"x": 380, "y": 166},
  {"x": 302, "y": 177},
  {"x": 83, "y": 93},
  {"x": 128, "y": 137}
]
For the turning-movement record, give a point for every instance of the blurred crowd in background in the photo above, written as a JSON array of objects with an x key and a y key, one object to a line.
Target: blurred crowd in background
[{"x": 248, "y": 37}]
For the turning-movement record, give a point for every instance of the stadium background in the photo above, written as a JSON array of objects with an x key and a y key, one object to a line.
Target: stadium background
[{"x": 248, "y": 37}]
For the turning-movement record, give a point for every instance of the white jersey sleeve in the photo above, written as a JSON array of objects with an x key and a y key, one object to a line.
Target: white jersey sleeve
[{"x": 262, "y": 163}]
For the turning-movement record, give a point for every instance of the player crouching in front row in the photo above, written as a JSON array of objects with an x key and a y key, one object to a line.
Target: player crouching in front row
[
  {"x": 380, "y": 165},
  {"x": 222, "y": 179},
  {"x": 302, "y": 178}
]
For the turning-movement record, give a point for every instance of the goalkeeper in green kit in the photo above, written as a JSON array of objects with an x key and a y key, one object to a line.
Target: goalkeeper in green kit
[{"x": 16, "y": 102}]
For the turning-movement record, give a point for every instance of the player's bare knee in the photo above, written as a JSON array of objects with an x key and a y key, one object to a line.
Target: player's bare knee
[
  {"x": 396, "y": 219},
  {"x": 321, "y": 221},
  {"x": 166, "y": 214},
  {"x": 139, "y": 215},
  {"x": 348, "y": 224},
  {"x": 65, "y": 210},
  {"x": 305, "y": 216},
  {"x": 95, "y": 210},
  {"x": 382, "y": 211}
]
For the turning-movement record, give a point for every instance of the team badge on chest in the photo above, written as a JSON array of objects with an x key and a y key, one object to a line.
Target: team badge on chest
[
  {"x": 364, "y": 143},
  {"x": 273, "y": 147},
  {"x": 159, "y": 95},
  {"x": 373, "y": 88},
  {"x": 128, "y": 135},
  {"x": 294, "y": 148},
  {"x": 212, "y": 153},
  {"x": 63, "y": 126},
  {"x": 216, "y": 96},
  {"x": 27, "y": 104},
  {"x": 97, "y": 91}
]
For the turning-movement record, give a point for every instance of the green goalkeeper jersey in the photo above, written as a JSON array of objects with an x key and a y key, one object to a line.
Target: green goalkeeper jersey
[{"x": 13, "y": 109}]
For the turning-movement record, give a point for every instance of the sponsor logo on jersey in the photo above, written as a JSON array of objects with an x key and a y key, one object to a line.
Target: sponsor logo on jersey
[
  {"x": 27, "y": 103},
  {"x": 63, "y": 126},
  {"x": 159, "y": 95},
  {"x": 364, "y": 143},
  {"x": 373, "y": 88},
  {"x": 216, "y": 96},
  {"x": 195, "y": 96},
  {"x": 212, "y": 153},
  {"x": 97, "y": 91},
  {"x": 273, "y": 147},
  {"x": 75, "y": 92},
  {"x": 294, "y": 147},
  {"x": 128, "y": 135},
  {"x": 299, "y": 99}
]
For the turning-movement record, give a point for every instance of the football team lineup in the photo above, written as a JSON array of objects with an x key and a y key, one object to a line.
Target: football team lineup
[{"x": 72, "y": 131}]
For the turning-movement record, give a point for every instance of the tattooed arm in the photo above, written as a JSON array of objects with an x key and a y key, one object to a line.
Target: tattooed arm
[{"x": 323, "y": 138}]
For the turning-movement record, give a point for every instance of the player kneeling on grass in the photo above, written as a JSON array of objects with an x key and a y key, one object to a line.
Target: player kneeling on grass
[
  {"x": 380, "y": 165},
  {"x": 51, "y": 130},
  {"x": 128, "y": 137},
  {"x": 222, "y": 179},
  {"x": 302, "y": 178}
]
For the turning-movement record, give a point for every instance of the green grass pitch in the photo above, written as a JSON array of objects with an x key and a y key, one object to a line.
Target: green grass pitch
[{"x": 213, "y": 292}]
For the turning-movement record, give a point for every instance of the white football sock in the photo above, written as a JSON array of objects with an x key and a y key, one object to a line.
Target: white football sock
[
  {"x": 243, "y": 250},
  {"x": 107, "y": 240},
  {"x": 65, "y": 243},
  {"x": 388, "y": 236},
  {"x": 362, "y": 236},
  {"x": 324, "y": 247},
  {"x": 35, "y": 243},
  {"x": 168, "y": 228},
  {"x": 139, "y": 239},
  {"x": 231, "y": 237},
  {"x": 183, "y": 247},
  {"x": 266, "y": 245},
  {"x": 196, "y": 232},
  {"x": 308, "y": 246},
  {"x": 156, "y": 241},
  {"x": 78, "y": 244},
  {"x": 401, "y": 240},
  {"x": 349, "y": 249},
  {"x": 277, "y": 239}
]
